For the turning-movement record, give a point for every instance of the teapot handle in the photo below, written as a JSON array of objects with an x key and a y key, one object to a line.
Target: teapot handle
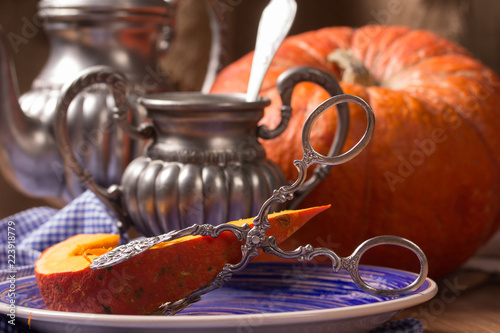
[
  {"x": 217, "y": 16},
  {"x": 217, "y": 55},
  {"x": 285, "y": 85},
  {"x": 119, "y": 86}
]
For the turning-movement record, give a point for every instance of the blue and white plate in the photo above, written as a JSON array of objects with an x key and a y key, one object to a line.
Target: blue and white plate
[{"x": 265, "y": 297}]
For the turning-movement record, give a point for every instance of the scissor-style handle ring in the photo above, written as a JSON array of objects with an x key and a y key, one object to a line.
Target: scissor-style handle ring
[
  {"x": 351, "y": 265},
  {"x": 311, "y": 156}
]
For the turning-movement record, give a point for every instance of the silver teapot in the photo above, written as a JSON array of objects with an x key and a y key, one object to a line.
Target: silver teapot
[
  {"x": 131, "y": 37},
  {"x": 203, "y": 163}
]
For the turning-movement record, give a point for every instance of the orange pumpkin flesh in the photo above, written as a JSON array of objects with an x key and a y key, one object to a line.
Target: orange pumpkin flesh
[
  {"x": 431, "y": 170},
  {"x": 167, "y": 272}
]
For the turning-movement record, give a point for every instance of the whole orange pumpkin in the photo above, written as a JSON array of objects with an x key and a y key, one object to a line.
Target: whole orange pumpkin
[{"x": 429, "y": 174}]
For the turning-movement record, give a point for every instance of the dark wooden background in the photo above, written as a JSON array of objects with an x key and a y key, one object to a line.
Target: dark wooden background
[{"x": 471, "y": 23}]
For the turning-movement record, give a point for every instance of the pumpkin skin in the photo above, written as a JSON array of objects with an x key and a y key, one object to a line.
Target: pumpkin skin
[
  {"x": 166, "y": 272},
  {"x": 430, "y": 172}
]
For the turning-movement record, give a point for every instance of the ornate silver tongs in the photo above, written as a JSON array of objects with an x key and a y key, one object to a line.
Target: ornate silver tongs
[{"x": 255, "y": 238}]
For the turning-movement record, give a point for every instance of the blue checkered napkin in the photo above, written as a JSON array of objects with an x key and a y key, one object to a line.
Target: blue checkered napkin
[{"x": 39, "y": 228}]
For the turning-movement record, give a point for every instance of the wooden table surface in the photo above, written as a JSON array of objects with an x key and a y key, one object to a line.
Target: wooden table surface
[{"x": 467, "y": 301}]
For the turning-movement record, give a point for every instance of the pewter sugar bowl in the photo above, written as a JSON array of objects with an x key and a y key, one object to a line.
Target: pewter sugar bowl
[{"x": 203, "y": 162}]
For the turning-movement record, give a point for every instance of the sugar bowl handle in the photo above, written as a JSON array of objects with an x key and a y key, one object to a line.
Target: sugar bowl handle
[
  {"x": 119, "y": 87},
  {"x": 285, "y": 85}
]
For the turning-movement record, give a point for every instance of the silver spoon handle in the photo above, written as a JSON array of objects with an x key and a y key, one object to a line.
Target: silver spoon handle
[{"x": 276, "y": 20}]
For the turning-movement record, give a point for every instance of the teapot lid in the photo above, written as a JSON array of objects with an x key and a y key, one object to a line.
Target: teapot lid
[
  {"x": 104, "y": 3},
  {"x": 77, "y": 8}
]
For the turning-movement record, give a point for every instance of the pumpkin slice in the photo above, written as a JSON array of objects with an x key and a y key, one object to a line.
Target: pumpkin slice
[{"x": 167, "y": 272}]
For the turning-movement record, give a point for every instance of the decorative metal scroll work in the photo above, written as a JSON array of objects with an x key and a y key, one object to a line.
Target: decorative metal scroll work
[
  {"x": 256, "y": 238},
  {"x": 124, "y": 252}
]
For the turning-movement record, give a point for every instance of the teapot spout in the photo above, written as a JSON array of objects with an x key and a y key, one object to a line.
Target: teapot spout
[{"x": 24, "y": 143}]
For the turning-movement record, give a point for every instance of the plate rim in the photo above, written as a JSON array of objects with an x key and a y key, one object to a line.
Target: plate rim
[{"x": 229, "y": 320}]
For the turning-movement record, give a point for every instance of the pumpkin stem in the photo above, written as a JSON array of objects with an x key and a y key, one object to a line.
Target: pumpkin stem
[{"x": 354, "y": 71}]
